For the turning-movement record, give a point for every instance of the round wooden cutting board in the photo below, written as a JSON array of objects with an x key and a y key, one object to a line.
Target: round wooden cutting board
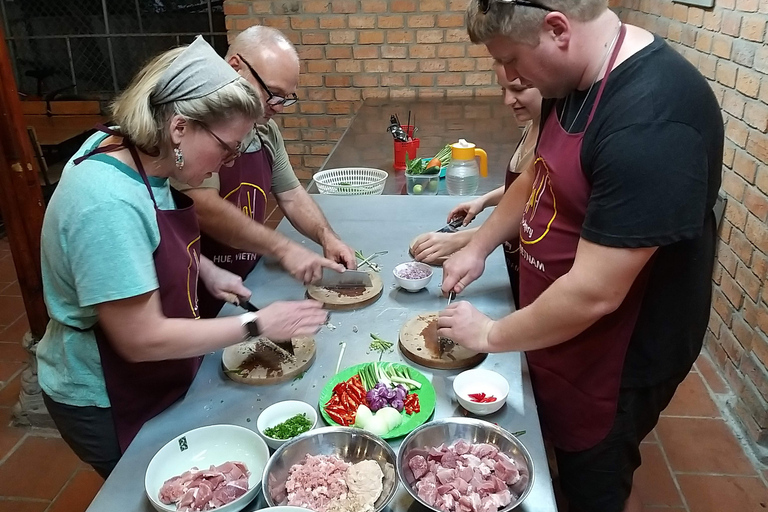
[
  {"x": 348, "y": 298},
  {"x": 260, "y": 364},
  {"x": 438, "y": 263},
  {"x": 419, "y": 343}
]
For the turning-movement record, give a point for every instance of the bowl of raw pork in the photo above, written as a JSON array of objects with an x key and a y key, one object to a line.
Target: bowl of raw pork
[
  {"x": 218, "y": 467},
  {"x": 412, "y": 276},
  {"x": 456, "y": 464},
  {"x": 332, "y": 469}
]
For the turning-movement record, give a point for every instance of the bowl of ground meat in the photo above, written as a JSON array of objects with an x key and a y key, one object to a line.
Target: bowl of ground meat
[
  {"x": 332, "y": 469},
  {"x": 465, "y": 465},
  {"x": 412, "y": 276}
]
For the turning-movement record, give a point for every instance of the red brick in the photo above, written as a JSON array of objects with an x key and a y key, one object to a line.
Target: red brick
[
  {"x": 235, "y": 8},
  {"x": 432, "y": 66},
  {"x": 731, "y": 23},
  {"x": 712, "y": 20},
  {"x": 373, "y": 5},
  {"x": 450, "y": 20},
  {"x": 727, "y": 258},
  {"x": 422, "y": 51},
  {"x": 757, "y": 145},
  {"x": 404, "y": 66},
  {"x": 703, "y": 41},
  {"x": 745, "y": 166},
  {"x": 392, "y": 80},
  {"x": 424, "y": 92},
  {"x": 757, "y": 233},
  {"x": 261, "y": 7},
  {"x": 450, "y": 79},
  {"x": 400, "y": 36},
  {"x": 753, "y": 27},
  {"x": 733, "y": 103},
  {"x": 751, "y": 285},
  {"x": 477, "y": 50},
  {"x": 395, "y": 21},
  {"x": 736, "y": 130},
  {"x": 311, "y": 53},
  {"x": 742, "y": 331},
  {"x": 303, "y": 23},
  {"x": 360, "y": 80},
  {"x": 338, "y": 80},
  {"x": 461, "y": 64},
  {"x": 761, "y": 63},
  {"x": 376, "y": 66},
  {"x": 394, "y": 52},
  {"x": 429, "y": 36},
  {"x": 403, "y": 93},
  {"x": 756, "y": 116},
  {"x": 349, "y": 94},
  {"x": 461, "y": 92},
  {"x": 741, "y": 246},
  {"x": 478, "y": 79},
  {"x": 708, "y": 66},
  {"x": 244, "y": 23},
  {"x": 729, "y": 152},
  {"x": 695, "y": 16},
  {"x": 338, "y": 52},
  {"x": 333, "y": 22},
  {"x": 750, "y": 311},
  {"x": 378, "y": 93},
  {"x": 756, "y": 202},
  {"x": 734, "y": 350},
  {"x": 432, "y": 5},
  {"x": 458, "y": 5},
  {"x": 365, "y": 52},
  {"x": 313, "y": 80},
  {"x": 371, "y": 37},
  {"x": 323, "y": 66},
  {"x": 680, "y": 12},
  {"x": 722, "y": 306},
  {"x": 762, "y": 323},
  {"x": 343, "y": 36},
  {"x": 349, "y": 66},
  {"x": 344, "y": 6},
  {"x": 747, "y": 5},
  {"x": 736, "y": 213},
  {"x": 675, "y": 31},
  {"x": 456, "y": 35},
  {"x": 362, "y": 21},
  {"x": 762, "y": 180},
  {"x": 314, "y": 38},
  {"x": 321, "y": 122},
  {"x": 421, "y": 80},
  {"x": 315, "y": 6},
  {"x": 403, "y": 6},
  {"x": 321, "y": 149},
  {"x": 311, "y": 107},
  {"x": 759, "y": 264},
  {"x": 450, "y": 50},
  {"x": 421, "y": 21},
  {"x": 312, "y": 134},
  {"x": 726, "y": 73}
]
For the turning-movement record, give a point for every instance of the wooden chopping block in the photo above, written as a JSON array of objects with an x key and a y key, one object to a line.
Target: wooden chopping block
[
  {"x": 419, "y": 343},
  {"x": 261, "y": 364},
  {"x": 348, "y": 298}
]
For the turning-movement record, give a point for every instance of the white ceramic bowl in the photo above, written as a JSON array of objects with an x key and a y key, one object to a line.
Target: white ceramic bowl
[
  {"x": 412, "y": 285},
  {"x": 278, "y": 413},
  {"x": 480, "y": 380},
  {"x": 202, "y": 447}
]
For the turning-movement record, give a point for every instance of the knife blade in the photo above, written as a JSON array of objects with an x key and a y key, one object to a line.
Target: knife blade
[
  {"x": 246, "y": 305},
  {"x": 452, "y": 226},
  {"x": 346, "y": 279}
]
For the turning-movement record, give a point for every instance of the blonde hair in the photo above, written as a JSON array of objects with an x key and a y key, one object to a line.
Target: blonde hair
[
  {"x": 145, "y": 124},
  {"x": 522, "y": 23}
]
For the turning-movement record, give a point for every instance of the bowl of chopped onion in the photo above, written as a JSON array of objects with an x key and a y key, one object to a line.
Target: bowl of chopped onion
[
  {"x": 282, "y": 421},
  {"x": 412, "y": 276}
]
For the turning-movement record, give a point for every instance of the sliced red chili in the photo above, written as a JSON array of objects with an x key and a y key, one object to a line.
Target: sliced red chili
[{"x": 481, "y": 398}]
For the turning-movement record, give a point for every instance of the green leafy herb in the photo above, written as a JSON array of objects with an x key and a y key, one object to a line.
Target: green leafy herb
[
  {"x": 290, "y": 428},
  {"x": 379, "y": 345}
]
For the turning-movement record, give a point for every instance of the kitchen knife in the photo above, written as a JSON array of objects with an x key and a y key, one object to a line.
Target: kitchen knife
[
  {"x": 346, "y": 279},
  {"x": 452, "y": 226}
]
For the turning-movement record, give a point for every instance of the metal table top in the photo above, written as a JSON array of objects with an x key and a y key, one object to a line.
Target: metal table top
[
  {"x": 484, "y": 121},
  {"x": 368, "y": 223}
]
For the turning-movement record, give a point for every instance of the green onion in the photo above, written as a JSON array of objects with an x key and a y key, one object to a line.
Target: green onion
[
  {"x": 379, "y": 345},
  {"x": 290, "y": 428}
]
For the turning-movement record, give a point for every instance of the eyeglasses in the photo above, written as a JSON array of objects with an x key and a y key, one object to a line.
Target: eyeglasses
[
  {"x": 232, "y": 153},
  {"x": 485, "y": 5},
  {"x": 273, "y": 99}
]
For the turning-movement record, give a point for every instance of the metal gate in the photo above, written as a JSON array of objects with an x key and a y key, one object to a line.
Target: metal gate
[{"x": 92, "y": 48}]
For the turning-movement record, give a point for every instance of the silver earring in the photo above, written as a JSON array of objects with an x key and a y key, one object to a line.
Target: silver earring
[{"x": 179, "y": 157}]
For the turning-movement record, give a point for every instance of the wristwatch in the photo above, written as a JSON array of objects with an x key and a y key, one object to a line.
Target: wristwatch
[{"x": 250, "y": 325}]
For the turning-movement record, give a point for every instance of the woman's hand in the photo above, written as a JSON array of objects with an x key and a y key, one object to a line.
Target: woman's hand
[
  {"x": 284, "y": 320},
  {"x": 431, "y": 247},
  {"x": 223, "y": 284},
  {"x": 469, "y": 210}
]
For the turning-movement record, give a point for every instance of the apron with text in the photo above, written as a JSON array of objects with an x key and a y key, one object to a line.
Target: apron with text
[
  {"x": 246, "y": 185},
  {"x": 576, "y": 383},
  {"x": 139, "y": 391}
]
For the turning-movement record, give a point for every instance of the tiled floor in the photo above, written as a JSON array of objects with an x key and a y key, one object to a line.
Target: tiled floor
[{"x": 692, "y": 462}]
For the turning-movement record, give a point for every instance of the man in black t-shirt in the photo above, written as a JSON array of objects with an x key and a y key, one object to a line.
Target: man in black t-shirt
[{"x": 617, "y": 234}]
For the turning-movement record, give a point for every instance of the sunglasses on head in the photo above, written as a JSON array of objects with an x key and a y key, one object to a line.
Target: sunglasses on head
[
  {"x": 272, "y": 99},
  {"x": 485, "y": 5}
]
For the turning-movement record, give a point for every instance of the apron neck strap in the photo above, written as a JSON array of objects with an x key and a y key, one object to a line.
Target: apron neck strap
[{"x": 611, "y": 61}]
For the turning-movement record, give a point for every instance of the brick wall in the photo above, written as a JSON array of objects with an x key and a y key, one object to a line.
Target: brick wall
[
  {"x": 354, "y": 50},
  {"x": 728, "y": 45}
]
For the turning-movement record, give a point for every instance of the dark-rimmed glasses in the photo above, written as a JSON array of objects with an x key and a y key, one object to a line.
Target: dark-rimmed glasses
[
  {"x": 485, "y": 5},
  {"x": 273, "y": 99},
  {"x": 232, "y": 153}
]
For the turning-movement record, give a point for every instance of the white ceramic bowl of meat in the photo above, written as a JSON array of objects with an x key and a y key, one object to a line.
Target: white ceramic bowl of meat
[
  {"x": 352, "y": 445},
  {"x": 480, "y": 380},
  {"x": 278, "y": 413},
  {"x": 412, "y": 276},
  {"x": 482, "y": 439},
  {"x": 201, "y": 448}
]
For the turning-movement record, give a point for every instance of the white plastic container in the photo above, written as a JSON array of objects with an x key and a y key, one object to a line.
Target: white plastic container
[{"x": 462, "y": 177}]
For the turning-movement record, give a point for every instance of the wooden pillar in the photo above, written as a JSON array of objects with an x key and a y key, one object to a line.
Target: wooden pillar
[{"x": 21, "y": 204}]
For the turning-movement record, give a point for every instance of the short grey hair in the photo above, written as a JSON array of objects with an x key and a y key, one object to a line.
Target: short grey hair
[
  {"x": 259, "y": 36},
  {"x": 522, "y": 23}
]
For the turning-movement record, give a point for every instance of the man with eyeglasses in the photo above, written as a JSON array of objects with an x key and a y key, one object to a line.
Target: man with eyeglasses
[
  {"x": 617, "y": 234},
  {"x": 232, "y": 204}
]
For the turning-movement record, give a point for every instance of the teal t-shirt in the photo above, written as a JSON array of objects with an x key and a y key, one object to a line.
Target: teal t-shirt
[{"x": 99, "y": 234}]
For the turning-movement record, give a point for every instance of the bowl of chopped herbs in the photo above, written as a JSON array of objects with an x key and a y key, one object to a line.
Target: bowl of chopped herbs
[{"x": 285, "y": 420}]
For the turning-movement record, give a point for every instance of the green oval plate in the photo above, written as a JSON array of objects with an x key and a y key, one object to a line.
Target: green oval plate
[{"x": 410, "y": 421}]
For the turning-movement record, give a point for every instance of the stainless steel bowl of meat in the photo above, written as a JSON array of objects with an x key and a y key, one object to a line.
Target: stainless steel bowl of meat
[
  {"x": 332, "y": 469},
  {"x": 465, "y": 464}
]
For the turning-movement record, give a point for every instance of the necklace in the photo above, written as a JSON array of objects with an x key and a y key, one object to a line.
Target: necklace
[{"x": 597, "y": 76}]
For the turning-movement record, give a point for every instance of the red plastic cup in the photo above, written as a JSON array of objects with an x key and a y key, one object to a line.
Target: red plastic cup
[{"x": 402, "y": 149}]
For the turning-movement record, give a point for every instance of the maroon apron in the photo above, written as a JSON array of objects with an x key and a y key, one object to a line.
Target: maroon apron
[
  {"x": 139, "y": 391},
  {"x": 512, "y": 247},
  {"x": 576, "y": 383},
  {"x": 246, "y": 185}
]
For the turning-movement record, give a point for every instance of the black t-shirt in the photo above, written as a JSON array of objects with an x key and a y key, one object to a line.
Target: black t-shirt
[{"x": 653, "y": 154}]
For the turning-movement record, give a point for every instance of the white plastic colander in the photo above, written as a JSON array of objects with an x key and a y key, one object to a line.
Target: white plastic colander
[{"x": 348, "y": 181}]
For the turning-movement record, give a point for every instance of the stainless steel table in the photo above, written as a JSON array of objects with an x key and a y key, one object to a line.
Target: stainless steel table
[{"x": 370, "y": 223}]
